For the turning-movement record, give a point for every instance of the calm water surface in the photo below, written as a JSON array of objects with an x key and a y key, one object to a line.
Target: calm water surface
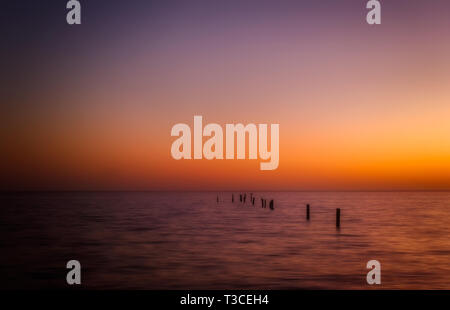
[{"x": 188, "y": 241}]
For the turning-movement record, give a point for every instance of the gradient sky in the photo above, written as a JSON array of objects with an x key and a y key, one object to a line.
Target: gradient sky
[{"x": 91, "y": 106}]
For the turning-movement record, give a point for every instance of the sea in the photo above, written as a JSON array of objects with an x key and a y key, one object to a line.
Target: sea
[{"x": 204, "y": 240}]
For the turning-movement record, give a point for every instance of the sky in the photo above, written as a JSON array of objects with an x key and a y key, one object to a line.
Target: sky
[{"x": 91, "y": 106}]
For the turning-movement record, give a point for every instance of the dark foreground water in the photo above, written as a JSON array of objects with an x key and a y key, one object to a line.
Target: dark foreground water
[{"x": 188, "y": 241}]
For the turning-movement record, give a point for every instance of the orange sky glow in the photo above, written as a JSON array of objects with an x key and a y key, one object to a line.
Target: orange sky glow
[{"x": 358, "y": 108}]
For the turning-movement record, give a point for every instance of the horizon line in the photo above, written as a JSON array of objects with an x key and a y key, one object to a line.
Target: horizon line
[{"x": 216, "y": 191}]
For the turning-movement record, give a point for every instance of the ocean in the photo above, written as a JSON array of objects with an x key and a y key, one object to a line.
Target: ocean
[{"x": 188, "y": 240}]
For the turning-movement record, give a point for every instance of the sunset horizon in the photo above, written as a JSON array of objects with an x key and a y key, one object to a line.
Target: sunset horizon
[
  {"x": 351, "y": 115},
  {"x": 225, "y": 152}
]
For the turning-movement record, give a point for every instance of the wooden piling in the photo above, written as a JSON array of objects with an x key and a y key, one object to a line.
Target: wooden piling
[
  {"x": 338, "y": 217},
  {"x": 307, "y": 212},
  {"x": 232, "y": 197},
  {"x": 271, "y": 205}
]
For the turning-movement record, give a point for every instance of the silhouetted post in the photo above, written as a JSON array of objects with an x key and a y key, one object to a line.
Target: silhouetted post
[
  {"x": 307, "y": 212},
  {"x": 271, "y": 205},
  {"x": 240, "y": 197},
  {"x": 253, "y": 201},
  {"x": 262, "y": 203},
  {"x": 232, "y": 197},
  {"x": 338, "y": 217}
]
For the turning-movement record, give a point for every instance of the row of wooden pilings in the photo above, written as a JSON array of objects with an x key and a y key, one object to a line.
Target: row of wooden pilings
[{"x": 243, "y": 198}]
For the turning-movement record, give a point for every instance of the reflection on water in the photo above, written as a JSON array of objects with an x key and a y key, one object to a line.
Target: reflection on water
[{"x": 188, "y": 241}]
